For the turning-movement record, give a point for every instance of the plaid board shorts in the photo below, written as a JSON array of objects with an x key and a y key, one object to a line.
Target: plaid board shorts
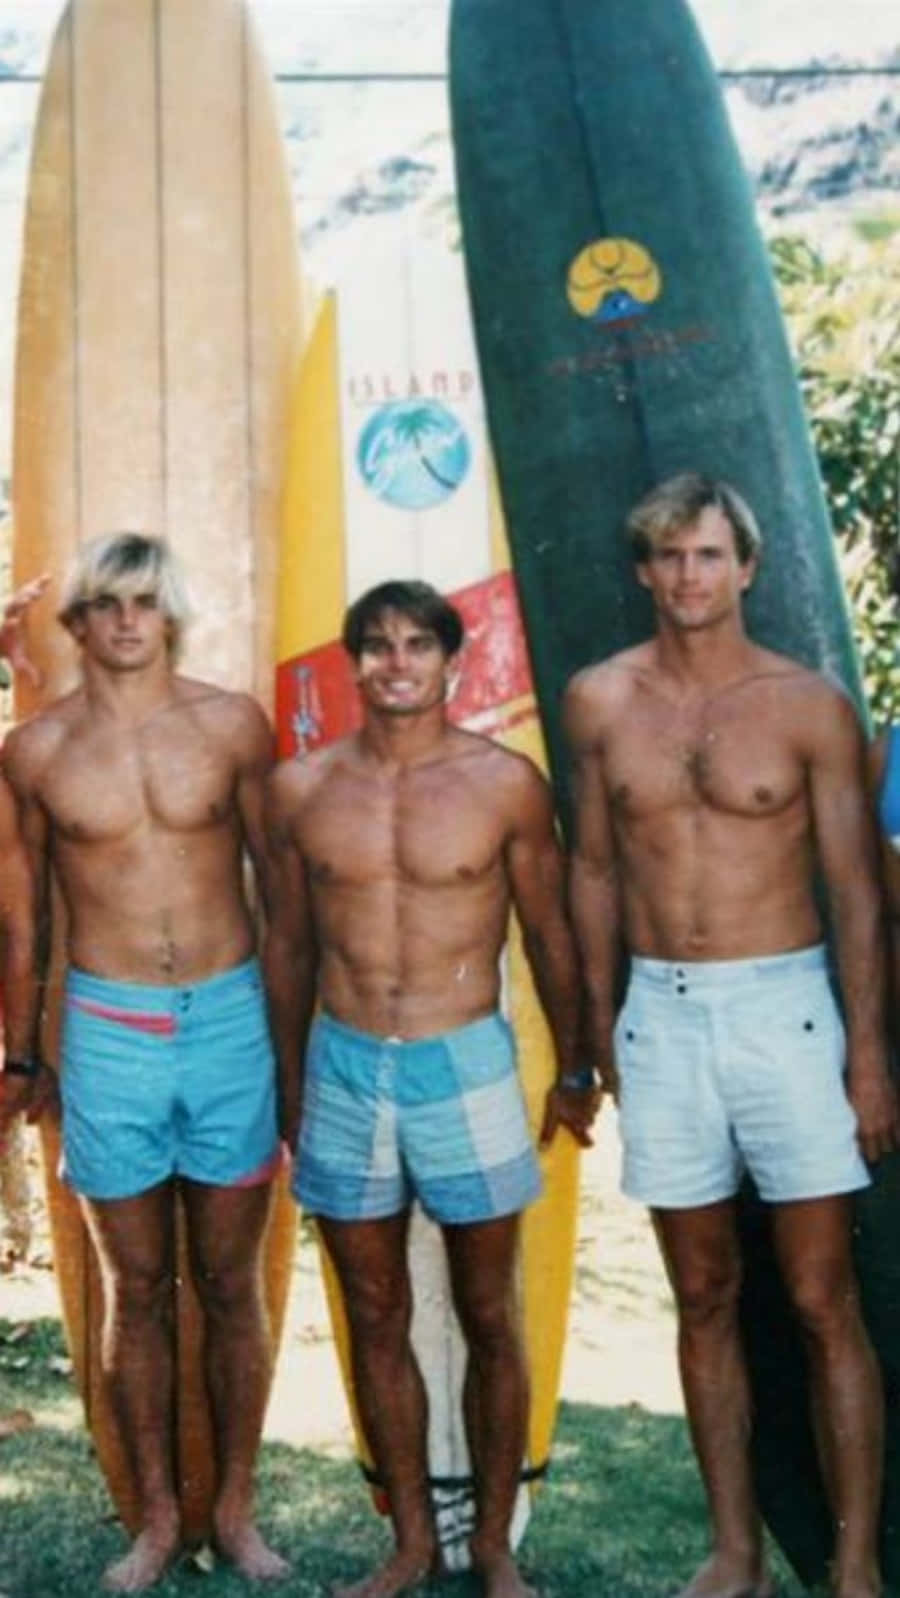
[{"x": 441, "y": 1119}]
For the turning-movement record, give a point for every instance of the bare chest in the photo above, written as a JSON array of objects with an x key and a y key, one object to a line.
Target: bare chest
[
  {"x": 741, "y": 764},
  {"x": 415, "y": 831},
  {"x": 103, "y": 788}
]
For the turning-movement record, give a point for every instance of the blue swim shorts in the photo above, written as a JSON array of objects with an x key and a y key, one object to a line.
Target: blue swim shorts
[
  {"x": 734, "y": 1065},
  {"x": 440, "y": 1118},
  {"x": 164, "y": 1081}
]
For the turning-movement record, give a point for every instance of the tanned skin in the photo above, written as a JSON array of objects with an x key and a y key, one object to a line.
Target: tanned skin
[
  {"x": 19, "y": 1094},
  {"x": 712, "y": 775},
  {"x": 399, "y": 853},
  {"x": 141, "y": 792}
]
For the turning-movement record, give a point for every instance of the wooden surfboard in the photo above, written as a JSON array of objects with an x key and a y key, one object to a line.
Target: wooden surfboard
[
  {"x": 628, "y": 329},
  {"x": 389, "y": 477},
  {"x": 158, "y": 334}
]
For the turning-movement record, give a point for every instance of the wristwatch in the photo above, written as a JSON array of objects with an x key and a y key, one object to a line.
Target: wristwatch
[
  {"x": 576, "y": 1081},
  {"x": 25, "y": 1065}
]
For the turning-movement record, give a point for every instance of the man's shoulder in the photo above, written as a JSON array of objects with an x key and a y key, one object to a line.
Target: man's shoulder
[
  {"x": 597, "y": 693},
  {"x": 507, "y": 779},
  {"x": 208, "y": 699},
  {"x": 228, "y": 716},
  {"x": 34, "y": 742},
  {"x": 297, "y": 777},
  {"x": 807, "y": 690}
]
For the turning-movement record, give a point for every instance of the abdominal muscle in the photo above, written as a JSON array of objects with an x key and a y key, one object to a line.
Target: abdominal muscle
[{"x": 151, "y": 920}]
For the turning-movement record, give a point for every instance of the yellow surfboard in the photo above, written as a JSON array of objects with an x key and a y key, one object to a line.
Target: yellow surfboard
[
  {"x": 158, "y": 334},
  {"x": 389, "y": 476}
]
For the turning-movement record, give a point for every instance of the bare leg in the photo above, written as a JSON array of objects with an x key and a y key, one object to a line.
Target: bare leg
[
  {"x": 482, "y": 1263},
  {"x": 225, "y": 1228},
  {"x": 370, "y": 1260},
  {"x": 813, "y": 1241},
  {"x": 701, "y": 1251},
  {"x": 133, "y": 1239}
]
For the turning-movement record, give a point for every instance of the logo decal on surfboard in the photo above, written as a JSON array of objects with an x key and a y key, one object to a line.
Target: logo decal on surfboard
[
  {"x": 612, "y": 280},
  {"x": 413, "y": 453}
]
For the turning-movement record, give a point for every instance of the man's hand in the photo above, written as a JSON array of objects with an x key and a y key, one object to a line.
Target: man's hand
[
  {"x": 16, "y": 1094},
  {"x": 289, "y": 1110},
  {"x": 874, "y": 1098},
  {"x": 573, "y": 1104},
  {"x": 13, "y": 628},
  {"x": 45, "y": 1099}
]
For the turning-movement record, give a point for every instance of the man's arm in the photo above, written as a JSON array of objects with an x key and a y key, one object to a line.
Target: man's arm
[
  {"x": 594, "y": 882},
  {"x": 848, "y": 849},
  {"x": 255, "y": 755},
  {"x": 22, "y": 896},
  {"x": 290, "y": 951},
  {"x": 890, "y": 877},
  {"x": 536, "y": 878}
]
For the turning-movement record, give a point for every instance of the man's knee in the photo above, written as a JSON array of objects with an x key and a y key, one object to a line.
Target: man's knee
[
  {"x": 486, "y": 1313},
  {"x": 230, "y": 1291},
  {"x": 379, "y": 1308},
  {"x": 707, "y": 1294},
  {"x": 825, "y": 1301},
  {"x": 140, "y": 1292}
]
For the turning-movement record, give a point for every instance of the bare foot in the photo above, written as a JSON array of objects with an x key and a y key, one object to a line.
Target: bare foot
[
  {"x": 859, "y": 1583},
  {"x": 404, "y": 1570},
  {"x": 151, "y": 1552},
  {"x": 243, "y": 1546},
  {"x": 502, "y": 1577},
  {"x": 728, "y": 1577}
]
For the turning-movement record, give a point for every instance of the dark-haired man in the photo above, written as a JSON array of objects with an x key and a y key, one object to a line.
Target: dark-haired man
[
  {"x": 400, "y": 850},
  {"x": 711, "y": 775},
  {"x": 142, "y": 790}
]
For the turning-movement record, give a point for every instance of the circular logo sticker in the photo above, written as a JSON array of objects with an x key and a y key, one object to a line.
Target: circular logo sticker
[
  {"x": 413, "y": 453},
  {"x": 613, "y": 279}
]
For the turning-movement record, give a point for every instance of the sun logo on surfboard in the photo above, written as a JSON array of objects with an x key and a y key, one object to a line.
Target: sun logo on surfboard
[
  {"x": 611, "y": 280},
  {"x": 413, "y": 453}
]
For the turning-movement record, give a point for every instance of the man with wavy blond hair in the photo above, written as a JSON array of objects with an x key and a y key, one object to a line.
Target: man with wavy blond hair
[{"x": 142, "y": 789}]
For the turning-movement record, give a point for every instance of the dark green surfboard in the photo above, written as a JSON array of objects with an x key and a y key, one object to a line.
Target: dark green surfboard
[{"x": 628, "y": 328}]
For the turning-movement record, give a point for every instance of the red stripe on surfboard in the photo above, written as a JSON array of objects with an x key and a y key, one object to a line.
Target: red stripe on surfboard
[{"x": 315, "y": 696}]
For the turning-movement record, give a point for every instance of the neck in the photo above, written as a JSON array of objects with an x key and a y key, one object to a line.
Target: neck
[
  {"x": 129, "y": 696},
  {"x": 404, "y": 740},
  {"x": 708, "y": 656}
]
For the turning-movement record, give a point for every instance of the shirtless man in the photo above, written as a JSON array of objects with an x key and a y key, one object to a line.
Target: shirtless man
[
  {"x": 711, "y": 774},
  {"x": 399, "y": 852},
  {"x": 141, "y": 790}
]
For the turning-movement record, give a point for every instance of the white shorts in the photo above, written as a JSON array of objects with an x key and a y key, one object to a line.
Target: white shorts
[{"x": 734, "y": 1065}]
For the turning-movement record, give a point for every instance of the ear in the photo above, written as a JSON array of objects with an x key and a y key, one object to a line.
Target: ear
[
  {"x": 748, "y": 572},
  {"x": 452, "y": 673},
  {"x": 642, "y": 573}
]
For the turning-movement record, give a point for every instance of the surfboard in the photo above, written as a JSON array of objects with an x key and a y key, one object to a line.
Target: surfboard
[
  {"x": 158, "y": 333},
  {"x": 628, "y": 328},
  {"x": 389, "y": 476}
]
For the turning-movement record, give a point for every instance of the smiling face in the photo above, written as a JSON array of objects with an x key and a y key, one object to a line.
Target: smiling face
[
  {"x": 122, "y": 631},
  {"x": 401, "y": 669},
  {"x": 694, "y": 573}
]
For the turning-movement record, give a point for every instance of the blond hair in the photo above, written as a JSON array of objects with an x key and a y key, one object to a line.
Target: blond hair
[
  {"x": 125, "y": 564},
  {"x": 678, "y": 502}
]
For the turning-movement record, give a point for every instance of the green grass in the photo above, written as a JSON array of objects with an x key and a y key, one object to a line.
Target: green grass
[{"x": 621, "y": 1517}]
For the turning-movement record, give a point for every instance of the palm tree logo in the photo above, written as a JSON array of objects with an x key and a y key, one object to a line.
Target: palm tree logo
[{"x": 413, "y": 453}]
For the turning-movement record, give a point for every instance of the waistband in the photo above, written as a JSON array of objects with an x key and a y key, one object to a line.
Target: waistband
[
  {"x": 355, "y": 1038},
  {"x": 151, "y": 995},
  {"x": 696, "y": 974}
]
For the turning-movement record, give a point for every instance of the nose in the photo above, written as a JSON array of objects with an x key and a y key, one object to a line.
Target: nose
[
  {"x": 399, "y": 657},
  {"x": 688, "y": 565}
]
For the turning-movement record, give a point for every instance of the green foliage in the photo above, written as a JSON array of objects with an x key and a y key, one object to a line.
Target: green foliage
[{"x": 843, "y": 311}]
